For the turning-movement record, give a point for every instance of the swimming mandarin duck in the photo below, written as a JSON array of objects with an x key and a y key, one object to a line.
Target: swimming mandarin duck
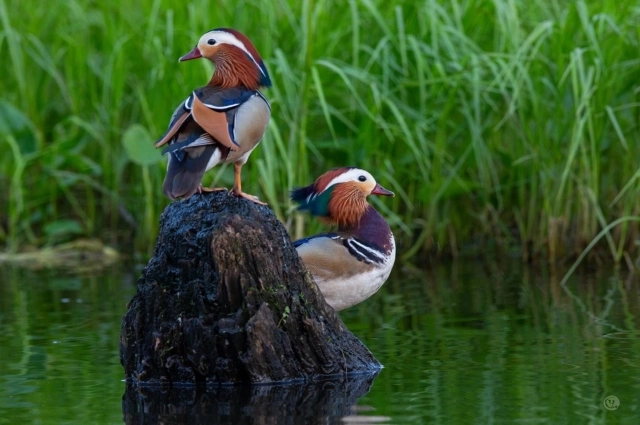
[
  {"x": 351, "y": 264},
  {"x": 221, "y": 122}
]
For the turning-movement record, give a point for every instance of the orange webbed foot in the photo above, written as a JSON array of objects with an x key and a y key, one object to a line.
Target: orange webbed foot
[{"x": 251, "y": 198}]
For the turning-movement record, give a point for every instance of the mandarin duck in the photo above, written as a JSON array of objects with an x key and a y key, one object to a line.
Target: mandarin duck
[
  {"x": 221, "y": 122},
  {"x": 351, "y": 264}
]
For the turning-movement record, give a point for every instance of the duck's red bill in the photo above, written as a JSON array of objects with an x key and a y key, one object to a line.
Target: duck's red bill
[
  {"x": 194, "y": 54},
  {"x": 379, "y": 190}
]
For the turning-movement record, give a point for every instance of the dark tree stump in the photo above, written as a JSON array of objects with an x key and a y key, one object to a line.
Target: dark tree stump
[{"x": 226, "y": 299}]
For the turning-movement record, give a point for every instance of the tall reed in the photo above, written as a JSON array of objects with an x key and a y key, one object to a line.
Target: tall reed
[{"x": 508, "y": 121}]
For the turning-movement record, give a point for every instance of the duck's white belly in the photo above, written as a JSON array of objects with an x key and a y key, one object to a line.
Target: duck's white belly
[{"x": 344, "y": 291}]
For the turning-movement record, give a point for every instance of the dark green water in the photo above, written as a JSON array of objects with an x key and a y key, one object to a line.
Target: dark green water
[{"x": 468, "y": 343}]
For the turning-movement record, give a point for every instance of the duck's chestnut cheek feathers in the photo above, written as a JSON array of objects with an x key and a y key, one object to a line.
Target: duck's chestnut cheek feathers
[
  {"x": 368, "y": 186},
  {"x": 194, "y": 54},
  {"x": 363, "y": 187},
  {"x": 208, "y": 51}
]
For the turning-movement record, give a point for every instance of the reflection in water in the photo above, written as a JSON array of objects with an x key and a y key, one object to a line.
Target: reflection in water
[
  {"x": 490, "y": 342},
  {"x": 325, "y": 402},
  {"x": 469, "y": 342}
]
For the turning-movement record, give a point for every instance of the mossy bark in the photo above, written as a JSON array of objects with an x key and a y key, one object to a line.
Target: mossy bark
[{"x": 225, "y": 299}]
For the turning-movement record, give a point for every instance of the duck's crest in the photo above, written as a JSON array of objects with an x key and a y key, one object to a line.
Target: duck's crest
[
  {"x": 310, "y": 200},
  {"x": 254, "y": 56},
  {"x": 327, "y": 178},
  {"x": 315, "y": 197}
]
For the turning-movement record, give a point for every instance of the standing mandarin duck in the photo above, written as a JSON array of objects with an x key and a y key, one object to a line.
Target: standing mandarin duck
[
  {"x": 221, "y": 122},
  {"x": 351, "y": 264}
]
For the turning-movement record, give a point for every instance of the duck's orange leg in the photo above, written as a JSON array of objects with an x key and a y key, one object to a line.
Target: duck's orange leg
[{"x": 237, "y": 186}]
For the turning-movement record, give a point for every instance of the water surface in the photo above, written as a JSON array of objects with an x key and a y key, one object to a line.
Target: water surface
[{"x": 469, "y": 342}]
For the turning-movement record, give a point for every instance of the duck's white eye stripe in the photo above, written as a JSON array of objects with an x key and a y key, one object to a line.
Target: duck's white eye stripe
[
  {"x": 351, "y": 175},
  {"x": 225, "y": 37}
]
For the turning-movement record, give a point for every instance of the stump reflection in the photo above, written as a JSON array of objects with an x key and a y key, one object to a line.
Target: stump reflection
[{"x": 325, "y": 402}]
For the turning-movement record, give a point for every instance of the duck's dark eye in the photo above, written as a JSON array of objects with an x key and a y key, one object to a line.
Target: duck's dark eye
[
  {"x": 362, "y": 178},
  {"x": 211, "y": 42}
]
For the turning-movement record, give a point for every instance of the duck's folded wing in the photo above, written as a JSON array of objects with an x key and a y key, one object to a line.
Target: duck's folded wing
[
  {"x": 178, "y": 118},
  {"x": 185, "y": 169},
  {"x": 224, "y": 99},
  {"x": 247, "y": 112},
  {"x": 327, "y": 257},
  {"x": 219, "y": 112},
  {"x": 213, "y": 122},
  {"x": 193, "y": 140}
]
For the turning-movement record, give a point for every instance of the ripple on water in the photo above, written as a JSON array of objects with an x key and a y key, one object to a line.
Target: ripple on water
[{"x": 458, "y": 348}]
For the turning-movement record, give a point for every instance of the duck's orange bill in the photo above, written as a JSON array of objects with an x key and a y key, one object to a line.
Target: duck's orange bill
[
  {"x": 194, "y": 54},
  {"x": 379, "y": 190}
]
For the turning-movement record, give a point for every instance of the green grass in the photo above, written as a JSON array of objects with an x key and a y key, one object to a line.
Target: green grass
[{"x": 506, "y": 121}]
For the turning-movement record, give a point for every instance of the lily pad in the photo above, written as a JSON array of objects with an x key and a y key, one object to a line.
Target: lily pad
[{"x": 139, "y": 146}]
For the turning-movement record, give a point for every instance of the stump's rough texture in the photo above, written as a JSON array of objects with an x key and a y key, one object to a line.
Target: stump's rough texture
[{"x": 226, "y": 299}]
